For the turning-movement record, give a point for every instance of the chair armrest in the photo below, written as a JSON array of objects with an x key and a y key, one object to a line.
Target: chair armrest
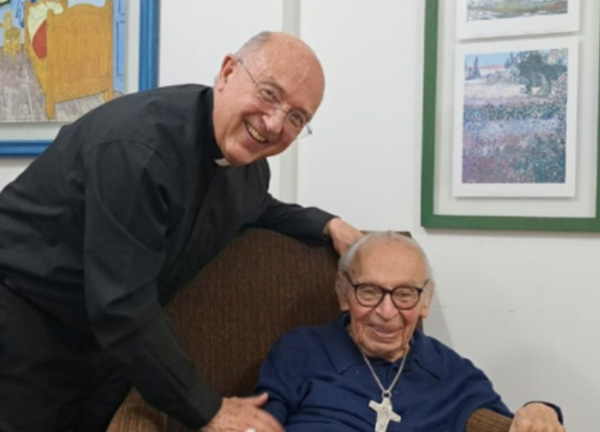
[
  {"x": 135, "y": 415},
  {"x": 485, "y": 420}
]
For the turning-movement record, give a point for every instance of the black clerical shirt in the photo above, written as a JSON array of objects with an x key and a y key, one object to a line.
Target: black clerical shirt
[{"x": 124, "y": 207}]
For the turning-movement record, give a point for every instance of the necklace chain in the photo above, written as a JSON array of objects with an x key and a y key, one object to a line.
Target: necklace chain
[{"x": 385, "y": 393}]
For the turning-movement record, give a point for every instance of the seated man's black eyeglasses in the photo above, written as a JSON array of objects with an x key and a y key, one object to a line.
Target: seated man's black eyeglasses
[{"x": 371, "y": 295}]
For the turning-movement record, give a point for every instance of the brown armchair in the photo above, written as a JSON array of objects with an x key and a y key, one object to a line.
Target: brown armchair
[{"x": 259, "y": 288}]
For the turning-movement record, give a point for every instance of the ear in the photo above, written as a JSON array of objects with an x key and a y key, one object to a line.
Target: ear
[
  {"x": 427, "y": 299},
  {"x": 341, "y": 292},
  {"x": 227, "y": 68}
]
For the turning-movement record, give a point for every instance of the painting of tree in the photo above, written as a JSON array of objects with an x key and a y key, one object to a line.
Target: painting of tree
[{"x": 514, "y": 117}]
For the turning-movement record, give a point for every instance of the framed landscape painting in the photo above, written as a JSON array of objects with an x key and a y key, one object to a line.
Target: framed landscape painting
[
  {"x": 494, "y": 18},
  {"x": 515, "y": 118},
  {"x": 511, "y": 127}
]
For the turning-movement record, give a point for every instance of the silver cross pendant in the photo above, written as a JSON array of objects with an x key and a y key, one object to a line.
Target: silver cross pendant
[{"x": 385, "y": 414}]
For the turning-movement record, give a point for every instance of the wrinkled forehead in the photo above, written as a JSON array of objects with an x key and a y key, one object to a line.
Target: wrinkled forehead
[{"x": 390, "y": 260}]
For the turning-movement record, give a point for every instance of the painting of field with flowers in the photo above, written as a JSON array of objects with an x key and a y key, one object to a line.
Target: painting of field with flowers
[{"x": 514, "y": 117}]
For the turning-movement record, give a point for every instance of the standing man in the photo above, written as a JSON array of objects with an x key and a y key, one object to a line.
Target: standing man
[{"x": 124, "y": 207}]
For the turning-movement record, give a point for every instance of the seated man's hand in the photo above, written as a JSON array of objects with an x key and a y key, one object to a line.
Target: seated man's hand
[
  {"x": 243, "y": 414},
  {"x": 341, "y": 233},
  {"x": 536, "y": 417}
]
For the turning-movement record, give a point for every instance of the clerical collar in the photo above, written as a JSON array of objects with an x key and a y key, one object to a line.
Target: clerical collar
[
  {"x": 222, "y": 162},
  {"x": 207, "y": 131}
]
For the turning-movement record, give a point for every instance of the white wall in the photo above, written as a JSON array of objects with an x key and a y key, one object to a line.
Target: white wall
[{"x": 522, "y": 306}]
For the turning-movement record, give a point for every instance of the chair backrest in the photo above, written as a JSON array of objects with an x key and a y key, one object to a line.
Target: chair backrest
[{"x": 260, "y": 287}]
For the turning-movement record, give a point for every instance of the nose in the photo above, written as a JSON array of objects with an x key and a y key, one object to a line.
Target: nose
[
  {"x": 386, "y": 308},
  {"x": 274, "y": 120}
]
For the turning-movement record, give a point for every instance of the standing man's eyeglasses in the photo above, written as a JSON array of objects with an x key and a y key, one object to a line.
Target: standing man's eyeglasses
[{"x": 269, "y": 100}]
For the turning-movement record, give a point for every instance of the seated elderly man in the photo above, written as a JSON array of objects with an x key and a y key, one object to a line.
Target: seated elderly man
[{"x": 372, "y": 368}]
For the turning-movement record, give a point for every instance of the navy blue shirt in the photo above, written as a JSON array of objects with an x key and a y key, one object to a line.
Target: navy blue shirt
[{"x": 317, "y": 380}]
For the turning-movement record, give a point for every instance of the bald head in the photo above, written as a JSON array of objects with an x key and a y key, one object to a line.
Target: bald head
[
  {"x": 272, "y": 74},
  {"x": 265, "y": 47},
  {"x": 256, "y": 43}
]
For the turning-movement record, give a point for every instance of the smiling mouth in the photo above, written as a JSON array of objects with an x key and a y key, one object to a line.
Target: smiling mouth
[
  {"x": 255, "y": 134},
  {"x": 385, "y": 332}
]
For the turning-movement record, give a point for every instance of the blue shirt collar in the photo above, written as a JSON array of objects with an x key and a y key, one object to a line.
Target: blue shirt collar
[{"x": 344, "y": 353}]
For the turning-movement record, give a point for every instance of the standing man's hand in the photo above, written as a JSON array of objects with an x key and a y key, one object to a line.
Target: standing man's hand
[
  {"x": 342, "y": 234},
  {"x": 536, "y": 417},
  {"x": 243, "y": 414}
]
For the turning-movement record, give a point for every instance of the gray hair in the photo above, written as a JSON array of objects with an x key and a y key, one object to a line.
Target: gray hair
[
  {"x": 255, "y": 43},
  {"x": 347, "y": 259},
  {"x": 252, "y": 45}
]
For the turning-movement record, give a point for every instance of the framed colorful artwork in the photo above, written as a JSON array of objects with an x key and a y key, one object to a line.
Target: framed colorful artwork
[
  {"x": 510, "y": 128},
  {"x": 495, "y": 18},
  {"x": 515, "y": 114},
  {"x": 67, "y": 57}
]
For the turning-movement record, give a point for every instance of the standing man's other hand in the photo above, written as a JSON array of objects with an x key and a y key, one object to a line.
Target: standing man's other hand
[
  {"x": 536, "y": 417},
  {"x": 342, "y": 234},
  {"x": 243, "y": 414}
]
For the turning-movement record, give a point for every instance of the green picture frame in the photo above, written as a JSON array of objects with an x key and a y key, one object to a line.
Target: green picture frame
[{"x": 432, "y": 219}]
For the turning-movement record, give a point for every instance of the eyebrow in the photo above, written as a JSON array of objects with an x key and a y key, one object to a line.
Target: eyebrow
[{"x": 408, "y": 284}]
